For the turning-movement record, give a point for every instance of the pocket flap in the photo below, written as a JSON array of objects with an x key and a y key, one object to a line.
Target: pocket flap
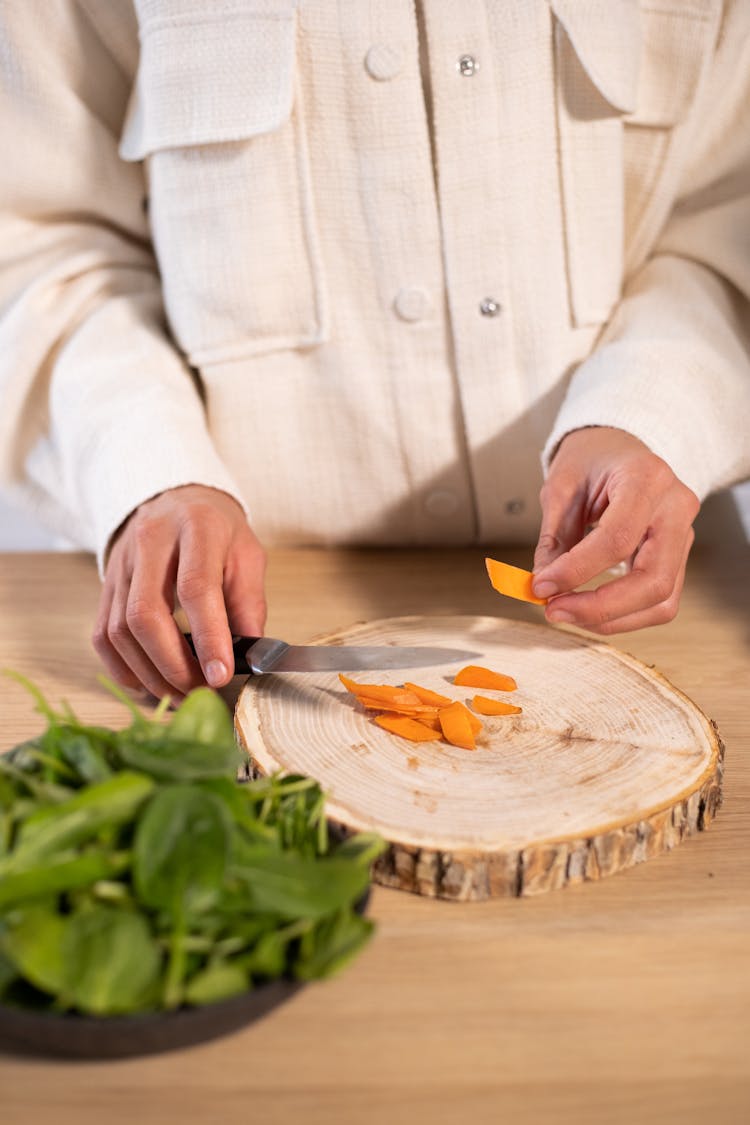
[
  {"x": 203, "y": 79},
  {"x": 645, "y": 59},
  {"x": 606, "y": 39}
]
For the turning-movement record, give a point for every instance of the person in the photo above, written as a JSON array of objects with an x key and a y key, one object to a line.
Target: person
[{"x": 320, "y": 273}]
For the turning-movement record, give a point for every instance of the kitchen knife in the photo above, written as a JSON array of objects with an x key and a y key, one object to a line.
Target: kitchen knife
[{"x": 258, "y": 655}]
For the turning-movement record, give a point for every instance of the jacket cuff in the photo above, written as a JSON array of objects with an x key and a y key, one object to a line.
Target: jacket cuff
[{"x": 663, "y": 394}]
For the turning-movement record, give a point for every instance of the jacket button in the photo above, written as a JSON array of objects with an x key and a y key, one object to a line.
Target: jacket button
[
  {"x": 411, "y": 304},
  {"x": 383, "y": 62},
  {"x": 467, "y": 65},
  {"x": 441, "y": 503},
  {"x": 489, "y": 307},
  {"x": 514, "y": 507}
]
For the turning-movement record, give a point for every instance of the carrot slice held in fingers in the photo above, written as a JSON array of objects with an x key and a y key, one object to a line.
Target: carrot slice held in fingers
[
  {"x": 512, "y": 581},
  {"x": 486, "y": 706},
  {"x": 429, "y": 696},
  {"x": 473, "y": 675},
  {"x": 454, "y": 721},
  {"x": 407, "y": 728}
]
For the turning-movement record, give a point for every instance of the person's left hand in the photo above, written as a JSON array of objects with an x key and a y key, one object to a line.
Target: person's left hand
[{"x": 643, "y": 517}]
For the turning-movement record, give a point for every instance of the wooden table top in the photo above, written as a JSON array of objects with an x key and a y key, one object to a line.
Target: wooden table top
[{"x": 623, "y": 1000}]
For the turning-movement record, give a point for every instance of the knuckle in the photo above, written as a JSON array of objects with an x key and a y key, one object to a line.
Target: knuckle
[
  {"x": 100, "y": 638},
  {"x": 660, "y": 476},
  {"x": 623, "y": 541},
  {"x": 140, "y": 616},
  {"x": 146, "y": 530},
  {"x": 177, "y": 677},
  {"x": 661, "y": 589},
  {"x": 118, "y": 631},
  {"x": 200, "y": 517},
  {"x": 192, "y": 586},
  {"x": 664, "y": 613},
  {"x": 547, "y": 542}
]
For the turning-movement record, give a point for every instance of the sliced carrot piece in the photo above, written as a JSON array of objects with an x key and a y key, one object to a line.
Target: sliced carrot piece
[
  {"x": 512, "y": 581},
  {"x": 407, "y": 728},
  {"x": 428, "y": 696},
  {"x": 415, "y": 709},
  {"x": 456, "y": 727},
  {"x": 474, "y": 722},
  {"x": 487, "y": 706},
  {"x": 431, "y": 721},
  {"x": 385, "y": 692},
  {"x": 473, "y": 675}
]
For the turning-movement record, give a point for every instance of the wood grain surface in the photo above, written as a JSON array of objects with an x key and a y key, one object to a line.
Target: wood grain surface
[
  {"x": 605, "y": 1003},
  {"x": 607, "y": 765}
]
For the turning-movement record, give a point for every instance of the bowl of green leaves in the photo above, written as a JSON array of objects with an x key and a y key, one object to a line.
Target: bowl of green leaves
[{"x": 148, "y": 900}]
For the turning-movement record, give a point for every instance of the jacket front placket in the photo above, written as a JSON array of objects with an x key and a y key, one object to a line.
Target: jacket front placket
[{"x": 493, "y": 121}]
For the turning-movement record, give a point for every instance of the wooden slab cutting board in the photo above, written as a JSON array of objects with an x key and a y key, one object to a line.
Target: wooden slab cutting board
[{"x": 608, "y": 764}]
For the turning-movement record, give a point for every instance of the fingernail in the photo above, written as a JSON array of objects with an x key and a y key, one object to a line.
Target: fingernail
[
  {"x": 545, "y": 589},
  {"x": 561, "y": 616},
  {"x": 216, "y": 673}
]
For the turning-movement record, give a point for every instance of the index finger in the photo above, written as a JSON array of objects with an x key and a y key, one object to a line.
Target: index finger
[{"x": 200, "y": 590}]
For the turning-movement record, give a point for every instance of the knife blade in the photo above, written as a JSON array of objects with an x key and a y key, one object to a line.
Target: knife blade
[{"x": 260, "y": 655}]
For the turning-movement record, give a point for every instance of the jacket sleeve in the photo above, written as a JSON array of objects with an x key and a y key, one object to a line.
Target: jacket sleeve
[
  {"x": 99, "y": 410},
  {"x": 672, "y": 366}
]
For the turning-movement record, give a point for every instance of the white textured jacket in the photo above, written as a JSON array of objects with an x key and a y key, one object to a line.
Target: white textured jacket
[{"x": 359, "y": 262}]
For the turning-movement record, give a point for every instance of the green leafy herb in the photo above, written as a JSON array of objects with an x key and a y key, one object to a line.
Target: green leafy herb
[{"x": 137, "y": 873}]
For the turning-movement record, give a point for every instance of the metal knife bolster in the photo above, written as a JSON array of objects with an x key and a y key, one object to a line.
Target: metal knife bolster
[{"x": 260, "y": 654}]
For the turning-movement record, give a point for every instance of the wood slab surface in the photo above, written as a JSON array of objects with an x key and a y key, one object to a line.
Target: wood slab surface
[{"x": 607, "y": 765}]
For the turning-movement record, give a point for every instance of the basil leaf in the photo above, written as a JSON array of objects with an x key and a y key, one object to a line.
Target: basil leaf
[
  {"x": 82, "y": 753},
  {"x": 180, "y": 850},
  {"x": 295, "y": 886},
  {"x": 218, "y": 981},
  {"x": 50, "y": 830},
  {"x": 32, "y": 942},
  {"x": 171, "y": 760},
  {"x": 203, "y": 717},
  {"x": 112, "y": 961},
  {"x": 325, "y": 950},
  {"x": 362, "y": 849},
  {"x": 65, "y": 872}
]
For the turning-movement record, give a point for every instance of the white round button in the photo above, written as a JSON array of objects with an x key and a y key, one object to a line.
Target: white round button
[
  {"x": 441, "y": 502},
  {"x": 383, "y": 62},
  {"x": 412, "y": 304}
]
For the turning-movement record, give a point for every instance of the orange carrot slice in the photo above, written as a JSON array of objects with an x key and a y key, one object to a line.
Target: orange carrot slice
[
  {"x": 407, "y": 728},
  {"x": 512, "y": 581},
  {"x": 385, "y": 692},
  {"x": 487, "y": 706},
  {"x": 428, "y": 696},
  {"x": 415, "y": 709},
  {"x": 456, "y": 727},
  {"x": 431, "y": 721},
  {"x": 473, "y": 675}
]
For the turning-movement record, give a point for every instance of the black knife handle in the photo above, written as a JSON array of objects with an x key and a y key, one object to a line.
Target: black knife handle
[{"x": 240, "y": 645}]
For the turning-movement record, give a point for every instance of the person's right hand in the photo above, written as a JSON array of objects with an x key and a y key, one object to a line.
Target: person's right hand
[{"x": 194, "y": 542}]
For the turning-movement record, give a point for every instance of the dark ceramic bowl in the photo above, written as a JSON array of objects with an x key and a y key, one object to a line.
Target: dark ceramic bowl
[
  {"x": 70, "y": 1036},
  {"x": 24, "y": 1031}
]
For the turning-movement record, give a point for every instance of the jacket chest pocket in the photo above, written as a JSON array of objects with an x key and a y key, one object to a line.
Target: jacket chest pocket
[
  {"x": 627, "y": 74},
  {"x": 216, "y": 116}
]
